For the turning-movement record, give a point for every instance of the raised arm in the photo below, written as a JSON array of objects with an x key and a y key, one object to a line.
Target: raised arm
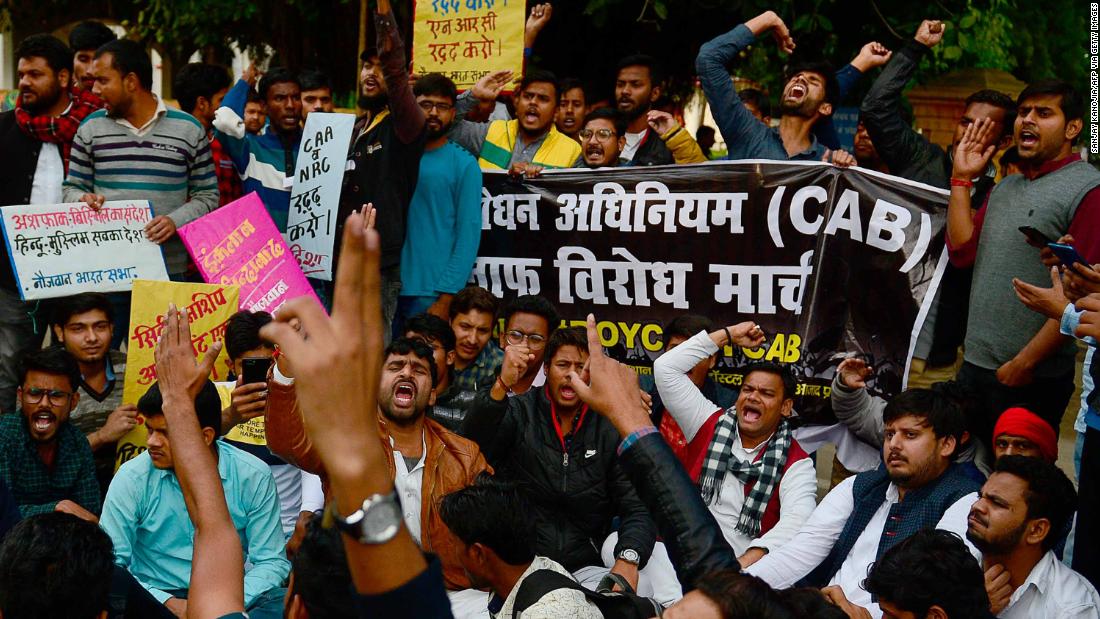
[
  {"x": 408, "y": 118},
  {"x": 283, "y": 427},
  {"x": 229, "y": 125}
]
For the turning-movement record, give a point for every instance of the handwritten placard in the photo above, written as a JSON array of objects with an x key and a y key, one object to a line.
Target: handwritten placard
[
  {"x": 465, "y": 39},
  {"x": 311, "y": 224},
  {"x": 208, "y": 310},
  {"x": 58, "y": 250},
  {"x": 238, "y": 244}
]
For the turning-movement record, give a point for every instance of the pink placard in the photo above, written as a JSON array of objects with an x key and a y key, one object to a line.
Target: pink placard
[{"x": 239, "y": 244}]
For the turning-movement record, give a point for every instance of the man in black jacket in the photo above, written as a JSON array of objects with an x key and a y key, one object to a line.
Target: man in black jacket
[
  {"x": 637, "y": 88},
  {"x": 564, "y": 457},
  {"x": 910, "y": 155}
]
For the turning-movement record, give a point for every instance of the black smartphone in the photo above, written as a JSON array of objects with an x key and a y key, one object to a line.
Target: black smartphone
[
  {"x": 1067, "y": 254},
  {"x": 1036, "y": 237},
  {"x": 254, "y": 369}
]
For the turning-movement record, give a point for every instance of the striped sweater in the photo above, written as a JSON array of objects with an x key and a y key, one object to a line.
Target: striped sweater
[{"x": 169, "y": 165}]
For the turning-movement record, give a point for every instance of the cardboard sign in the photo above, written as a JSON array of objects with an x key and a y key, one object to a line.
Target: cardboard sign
[{"x": 466, "y": 39}]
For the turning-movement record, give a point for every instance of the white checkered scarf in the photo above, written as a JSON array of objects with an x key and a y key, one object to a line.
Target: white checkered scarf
[{"x": 765, "y": 471}]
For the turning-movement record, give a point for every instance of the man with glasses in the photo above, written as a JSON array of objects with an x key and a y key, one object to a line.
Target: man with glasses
[
  {"x": 529, "y": 321},
  {"x": 603, "y": 139},
  {"x": 444, "y": 220},
  {"x": 44, "y": 459}
]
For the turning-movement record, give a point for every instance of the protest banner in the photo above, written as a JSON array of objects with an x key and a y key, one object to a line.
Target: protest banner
[
  {"x": 466, "y": 39},
  {"x": 238, "y": 244},
  {"x": 208, "y": 308},
  {"x": 828, "y": 261},
  {"x": 315, "y": 197},
  {"x": 57, "y": 250}
]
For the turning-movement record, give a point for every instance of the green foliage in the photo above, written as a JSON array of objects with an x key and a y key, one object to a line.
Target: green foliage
[{"x": 981, "y": 37}]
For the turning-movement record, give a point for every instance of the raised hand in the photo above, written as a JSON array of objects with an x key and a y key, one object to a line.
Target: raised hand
[
  {"x": 930, "y": 32},
  {"x": 610, "y": 388},
  {"x": 871, "y": 55},
  {"x": 839, "y": 157},
  {"x": 661, "y": 122},
  {"x": 536, "y": 21},
  {"x": 746, "y": 334},
  {"x": 769, "y": 21},
  {"x": 490, "y": 85},
  {"x": 178, "y": 373},
  {"x": 974, "y": 150},
  {"x": 853, "y": 373}
]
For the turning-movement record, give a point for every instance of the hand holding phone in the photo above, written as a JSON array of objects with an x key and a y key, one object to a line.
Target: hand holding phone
[
  {"x": 1067, "y": 254},
  {"x": 254, "y": 369}
]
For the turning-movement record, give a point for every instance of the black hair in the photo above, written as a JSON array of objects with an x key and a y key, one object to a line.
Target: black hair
[
  {"x": 930, "y": 568},
  {"x": 569, "y": 83},
  {"x": 757, "y": 98},
  {"x": 51, "y": 360},
  {"x": 314, "y": 79},
  {"x": 1050, "y": 493},
  {"x": 437, "y": 85},
  {"x": 782, "y": 370},
  {"x": 90, "y": 34},
  {"x": 493, "y": 513},
  {"x": 685, "y": 326},
  {"x": 433, "y": 328},
  {"x": 533, "y": 304},
  {"x": 198, "y": 79},
  {"x": 822, "y": 68},
  {"x": 740, "y": 596},
  {"x": 540, "y": 76},
  {"x": 999, "y": 99},
  {"x": 611, "y": 114},
  {"x": 55, "y": 565},
  {"x": 67, "y": 307},
  {"x": 242, "y": 333},
  {"x": 940, "y": 411},
  {"x": 969, "y": 403},
  {"x": 474, "y": 298},
  {"x": 276, "y": 75},
  {"x": 321, "y": 576},
  {"x": 254, "y": 97},
  {"x": 1011, "y": 156},
  {"x": 57, "y": 55},
  {"x": 704, "y": 129},
  {"x": 810, "y": 602},
  {"x": 129, "y": 57},
  {"x": 1072, "y": 104},
  {"x": 416, "y": 346},
  {"x": 566, "y": 336},
  {"x": 656, "y": 74},
  {"x": 208, "y": 406}
]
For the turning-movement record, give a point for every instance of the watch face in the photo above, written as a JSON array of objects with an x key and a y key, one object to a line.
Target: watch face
[
  {"x": 381, "y": 521},
  {"x": 630, "y": 555}
]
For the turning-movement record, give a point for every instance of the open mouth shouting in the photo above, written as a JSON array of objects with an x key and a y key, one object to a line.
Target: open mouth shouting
[
  {"x": 567, "y": 393},
  {"x": 43, "y": 423},
  {"x": 749, "y": 413},
  {"x": 531, "y": 116},
  {"x": 796, "y": 92},
  {"x": 404, "y": 394},
  {"x": 1029, "y": 138}
]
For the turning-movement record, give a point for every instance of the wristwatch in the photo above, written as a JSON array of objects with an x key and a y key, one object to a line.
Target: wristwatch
[
  {"x": 630, "y": 556},
  {"x": 376, "y": 522}
]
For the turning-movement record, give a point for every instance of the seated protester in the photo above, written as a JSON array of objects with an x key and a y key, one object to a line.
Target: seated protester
[
  {"x": 44, "y": 459},
  {"x": 930, "y": 574},
  {"x": 1023, "y": 510},
  {"x": 603, "y": 139},
  {"x": 426, "y": 460},
  {"x": 84, "y": 325},
  {"x": 571, "y": 106},
  {"x": 754, "y": 476},
  {"x": 144, "y": 511},
  {"x": 529, "y": 321},
  {"x": 492, "y": 521},
  {"x": 1020, "y": 432},
  {"x": 473, "y": 313},
  {"x": 674, "y": 333},
  {"x": 563, "y": 455},
  {"x": 866, "y": 514},
  {"x": 243, "y": 413},
  {"x": 451, "y": 401}
]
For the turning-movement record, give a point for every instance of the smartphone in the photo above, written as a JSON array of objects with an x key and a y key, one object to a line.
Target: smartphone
[
  {"x": 1036, "y": 237},
  {"x": 254, "y": 369},
  {"x": 1067, "y": 254}
]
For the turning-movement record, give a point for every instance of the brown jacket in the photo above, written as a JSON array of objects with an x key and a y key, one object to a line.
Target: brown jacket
[{"x": 451, "y": 463}]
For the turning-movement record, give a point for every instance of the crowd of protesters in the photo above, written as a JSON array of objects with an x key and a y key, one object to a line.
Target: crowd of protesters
[{"x": 430, "y": 450}]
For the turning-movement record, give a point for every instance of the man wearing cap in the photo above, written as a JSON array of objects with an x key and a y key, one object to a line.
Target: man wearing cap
[{"x": 1020, "y": 432}]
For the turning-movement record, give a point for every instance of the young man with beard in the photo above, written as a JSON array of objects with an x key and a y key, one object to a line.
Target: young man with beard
[
  {"x": 865, "y": 515},
  {"x": 200, "y": 89},
  {"x": 1024, "y": 508},
  {"x": 444, "y": 220},
  {"x": 44, "y": 459},
  {"x": 637, "y": 88},
  {"x": 564, "y": 456},
  {"x": 84, "y": 325},
  {"x": 144, "y": 510},
  {"x": 264, "y": 161},
  {"x": 571, "y": 106},
  {"x": 84, "y": 39},
  {"x": 157, "y": 153},
  {"x": 754, "y": 476},
  {"x": 1021, "y": 358},
  {"x": 473, "y": 313},
  {"x": 603, "y": 139}
]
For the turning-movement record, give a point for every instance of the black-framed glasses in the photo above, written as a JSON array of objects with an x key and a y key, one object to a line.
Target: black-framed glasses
[
  {"x": 428, "y": 105},
  {"x": 57, "y": 397},
  {"x": 602, "y": 134},
  {"x": 534, "y": 340}
]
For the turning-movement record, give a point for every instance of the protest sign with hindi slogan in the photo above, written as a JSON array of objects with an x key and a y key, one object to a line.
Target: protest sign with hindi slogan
[
  {"x": 208, "y": 308},
  {"x": 238, "y": 244},
  {"x": 466, "y": 39},
  {"x": 311, "y": 224},
  {"x": 59, "y": 250},
  {"x": 829, "y": 262}
]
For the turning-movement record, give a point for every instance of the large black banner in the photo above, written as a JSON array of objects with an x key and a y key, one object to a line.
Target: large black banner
[{"x": 828, "y": 261}]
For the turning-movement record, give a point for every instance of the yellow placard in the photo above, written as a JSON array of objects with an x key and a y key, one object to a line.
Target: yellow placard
[
  {"x": 465, "y": 39},
  {"x": 208, "y": 308}
]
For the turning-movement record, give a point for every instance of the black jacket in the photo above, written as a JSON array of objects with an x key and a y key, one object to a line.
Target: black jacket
[
  {"x": 18, "y": 161},
  {"x": 652, "y": 151},
  {"x": 574, "y": 494}
]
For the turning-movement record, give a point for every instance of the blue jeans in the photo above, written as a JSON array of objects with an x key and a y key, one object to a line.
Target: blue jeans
[{"x": 269, "y": 605}]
